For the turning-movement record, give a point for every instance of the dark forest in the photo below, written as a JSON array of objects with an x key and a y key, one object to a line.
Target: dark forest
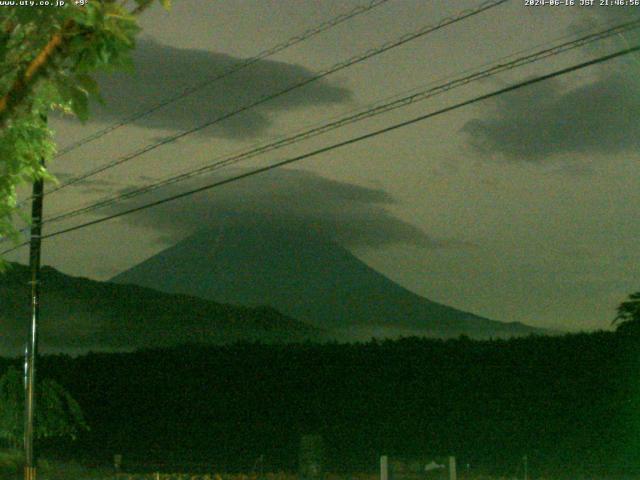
[{"x": 570, "y": 403}]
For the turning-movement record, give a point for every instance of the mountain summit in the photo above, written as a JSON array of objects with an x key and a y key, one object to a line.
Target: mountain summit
[{"x": 306, "y": 276}]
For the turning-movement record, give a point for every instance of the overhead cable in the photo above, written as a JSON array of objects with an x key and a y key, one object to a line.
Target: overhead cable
[
  {"x": 322, "y": 27},
  {"x": 335, "y": 146},
  {"x": 349, "y": 119},
  {"x": 462, "y": 15}
]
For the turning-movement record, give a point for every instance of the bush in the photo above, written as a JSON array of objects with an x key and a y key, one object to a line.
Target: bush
[{"x": 11, "y": 462}]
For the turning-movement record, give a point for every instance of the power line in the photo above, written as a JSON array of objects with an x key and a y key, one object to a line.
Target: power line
[
  {"x": 335, "y": 146},
  {"x": 335, "y": 68},
  {"x": 322, "y": 27},
  {"x": 368, "y": 113}
]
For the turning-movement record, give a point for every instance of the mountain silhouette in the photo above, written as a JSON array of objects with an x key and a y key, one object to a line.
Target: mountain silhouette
[
  {"x": 78, "y": 315},
  {"x": 300, "y": 272}
]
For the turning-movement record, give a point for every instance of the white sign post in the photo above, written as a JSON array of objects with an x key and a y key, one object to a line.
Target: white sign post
[
  {"x": 384, "y": 467},
  {"x": 452, "y": 468}
]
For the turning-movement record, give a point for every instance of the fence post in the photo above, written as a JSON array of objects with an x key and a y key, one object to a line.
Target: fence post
[
  {"x": 452, "y": 468},
  {"x": 384, "y": 467}
]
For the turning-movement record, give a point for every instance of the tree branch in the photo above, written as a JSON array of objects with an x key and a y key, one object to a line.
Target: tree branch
[{"x": 24, "y": 83}]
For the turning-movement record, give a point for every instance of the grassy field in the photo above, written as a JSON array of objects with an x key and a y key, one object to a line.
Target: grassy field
[{"x": 11, "y": 464}]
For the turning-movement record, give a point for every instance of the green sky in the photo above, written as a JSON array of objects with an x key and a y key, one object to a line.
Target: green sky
[{"x": 517, "y": 209}]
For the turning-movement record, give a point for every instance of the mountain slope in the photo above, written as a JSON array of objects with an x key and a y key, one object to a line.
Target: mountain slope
[
  {"x": 307, "y": 277},
  {"x": 80, "y": 314}
]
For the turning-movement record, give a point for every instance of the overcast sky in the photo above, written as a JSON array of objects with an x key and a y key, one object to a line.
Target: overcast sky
[{"x": 522, "y": 208}]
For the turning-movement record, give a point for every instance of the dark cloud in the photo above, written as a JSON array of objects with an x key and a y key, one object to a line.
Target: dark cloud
[
  {"x": 537, "y": 122},
  {"x": 289, "y": 199},
  {"x": 551, "y": 118},
  {"x": 163, "y": 71},
  {"x": 93, "y": 185}
]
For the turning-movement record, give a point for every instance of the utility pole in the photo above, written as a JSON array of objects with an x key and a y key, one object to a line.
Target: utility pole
[{"x": 32, "y": 338}]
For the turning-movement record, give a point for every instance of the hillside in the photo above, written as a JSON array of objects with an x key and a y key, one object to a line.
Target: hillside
[{"x": 79, "y": 314}]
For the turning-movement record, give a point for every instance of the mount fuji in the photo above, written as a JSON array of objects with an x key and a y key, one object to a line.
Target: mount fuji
[{"x": 306, "y": 276}]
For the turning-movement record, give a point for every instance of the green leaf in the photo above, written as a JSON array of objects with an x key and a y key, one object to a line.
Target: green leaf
[
  {"x": 88, "y": 84},
  {"x": 101, "y": 36},
  {"x": 79, "y": 102},
  {"x": 60, "y": 415}
]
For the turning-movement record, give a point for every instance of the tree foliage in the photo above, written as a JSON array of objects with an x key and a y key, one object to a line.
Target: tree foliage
[
  {"x": 570, "y": 403},
  {"x": 57, "y": 413},
  {"x": 48, "y": 58},
  {"x": 628, "y": 313}
]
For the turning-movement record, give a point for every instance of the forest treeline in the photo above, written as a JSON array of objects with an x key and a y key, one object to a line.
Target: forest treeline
[{"x": 570, "y": 403}]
